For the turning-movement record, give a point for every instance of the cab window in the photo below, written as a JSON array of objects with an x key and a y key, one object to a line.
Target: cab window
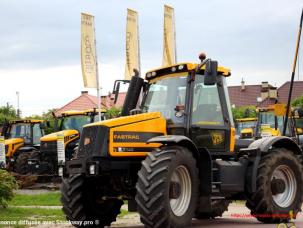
[
  {"x": 206, "y": 104},
  {"x": 37, "y": 134}
]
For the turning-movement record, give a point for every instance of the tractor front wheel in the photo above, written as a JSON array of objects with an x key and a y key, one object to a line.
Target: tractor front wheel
[
  {"x": 21, "y": 165},
  {"x": 167, "y": 188},
  {"x": 83, "y": 205}
]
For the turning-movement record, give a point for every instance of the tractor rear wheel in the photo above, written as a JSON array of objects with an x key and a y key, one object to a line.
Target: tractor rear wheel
[
  {"x": 218, "y": 208},
  {"x": 279, "y": 192},
  {"x": 83, "y": 205},
  {"x": 167, "y": 188},
  {"x": 21, "y": 165}
]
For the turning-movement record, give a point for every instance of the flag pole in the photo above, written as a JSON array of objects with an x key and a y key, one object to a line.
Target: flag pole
[{"x": 97, "y": 78}]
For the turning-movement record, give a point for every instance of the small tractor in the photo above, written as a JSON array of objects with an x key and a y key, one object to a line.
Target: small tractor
[
  {"x": 68, "y": 127},
  {"x": 21, "y": 139},
  {"x": 245, "y": 127},
  {"x": 173, "y": 158}
]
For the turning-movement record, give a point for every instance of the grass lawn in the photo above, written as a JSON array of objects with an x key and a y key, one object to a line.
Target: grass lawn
[{"x": 44, "y": 199}]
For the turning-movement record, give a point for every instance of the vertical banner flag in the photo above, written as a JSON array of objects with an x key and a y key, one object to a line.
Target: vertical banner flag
[
  {"x": 169, "y": 37},
  {"x": 132, "y": 44},
  {"x": 88, "y": 51}
]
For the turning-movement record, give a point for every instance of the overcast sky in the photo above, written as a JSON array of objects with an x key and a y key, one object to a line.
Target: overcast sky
[{"x": 40, "y": 43}]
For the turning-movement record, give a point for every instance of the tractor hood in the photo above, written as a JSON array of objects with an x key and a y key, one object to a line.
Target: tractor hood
[
  {"x": 53, "y": 137},
  {"x": 128, "y": 135},
  {"x": 13, "y": 141}
]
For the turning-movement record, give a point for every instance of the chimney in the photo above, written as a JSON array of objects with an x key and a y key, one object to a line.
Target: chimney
[
  {"x": 264, "y": 85},
  {"x": 273, "y": 92},
  {"x": 84, "y": 92},
  {"x": 242, "y": 85}
]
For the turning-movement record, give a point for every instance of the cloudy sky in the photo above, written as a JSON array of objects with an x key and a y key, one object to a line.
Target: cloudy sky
[{"x": 40, "y": 43}]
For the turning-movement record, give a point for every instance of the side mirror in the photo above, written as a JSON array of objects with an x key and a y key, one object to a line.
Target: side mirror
[
  {"x": 116, "y": 92},
  {"x": 211, "y": 72}
]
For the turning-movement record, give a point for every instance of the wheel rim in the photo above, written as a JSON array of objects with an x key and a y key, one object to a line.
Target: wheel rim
[
  {"x": 180, "y": 204},
  {"x": 285, "y": 174}
]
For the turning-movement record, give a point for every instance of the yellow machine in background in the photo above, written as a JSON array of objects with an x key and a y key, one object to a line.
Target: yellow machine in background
[
  {"x": 270, "y": 121},
  {"x": 69, "y": 125},
  {"x": 245, "y": 127},
  {"x": 22, "y": 138}
]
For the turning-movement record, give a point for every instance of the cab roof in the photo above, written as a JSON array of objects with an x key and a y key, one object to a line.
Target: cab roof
[
  {"x": 182, "y": 67},
  {"x": 81, "y": 112},
  {"x": 27, "y": 121}
]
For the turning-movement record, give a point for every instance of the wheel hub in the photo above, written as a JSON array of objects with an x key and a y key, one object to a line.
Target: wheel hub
[
  {"x": 174, "y": 190},
  {"x": 283, "y": 186},
  {"x": 277, "y": 186}
]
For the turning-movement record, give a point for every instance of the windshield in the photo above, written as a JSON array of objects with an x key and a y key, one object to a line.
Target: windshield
[
  {"x": 75, "y": 122},
  {"x": 21, "y": 130},
  {"x": 269, "y": 118},
  {"x": 245, "y": 125},
  {"x": 164, "y": 95}
]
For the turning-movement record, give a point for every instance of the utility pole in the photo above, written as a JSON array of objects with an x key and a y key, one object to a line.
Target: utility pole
[{"x": 18, "y": 104}]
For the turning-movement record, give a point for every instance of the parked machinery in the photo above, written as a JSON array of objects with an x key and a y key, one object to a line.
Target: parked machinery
[
  {"x": 245, "y": 127},
  {"x": 22, "y": 138},
  {"x": 69, "y": 127},
  {"x": 173, "y": 159}
]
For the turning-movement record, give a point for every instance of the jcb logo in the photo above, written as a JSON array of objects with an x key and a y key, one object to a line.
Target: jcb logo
[{"x": 217, "y": 138}]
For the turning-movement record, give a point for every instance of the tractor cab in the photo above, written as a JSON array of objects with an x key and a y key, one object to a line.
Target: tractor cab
[
  {"x": 21, "y": 137},
  {"x": 245, "y": 127},
  {"x": 270, "y": 121}
]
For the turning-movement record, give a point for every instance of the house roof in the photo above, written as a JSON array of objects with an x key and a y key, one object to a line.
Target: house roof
[
  {"x": 283, "y": 91},
  {"x": 86, "y": 101},
  {"x": 249, "y": 95},
  {"x": 245, "y": 97}
]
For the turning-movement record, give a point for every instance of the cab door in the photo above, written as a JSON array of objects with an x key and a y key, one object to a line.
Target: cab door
[{"x": 210, "y": 125}]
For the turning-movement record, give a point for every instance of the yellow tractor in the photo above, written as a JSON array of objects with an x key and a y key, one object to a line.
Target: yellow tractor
[
  {"x": 173, "y": 157},
  {"x": 245, "y": 127},
  {"x": 69, "y": 127},
  {"x": 21, "y": 138}
]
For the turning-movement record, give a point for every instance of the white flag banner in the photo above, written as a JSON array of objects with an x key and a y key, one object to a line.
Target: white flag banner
[
  {"x": 132, "y": 44},
  {"x": 88, "y": 51},
  {"x": 169, "y": 37}
]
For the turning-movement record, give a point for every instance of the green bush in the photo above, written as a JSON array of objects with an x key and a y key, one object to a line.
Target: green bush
[{"x": 7, "y": 186}]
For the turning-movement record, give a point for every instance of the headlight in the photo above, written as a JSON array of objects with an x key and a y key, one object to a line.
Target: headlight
[
  {"x": 60, "y": 171},
  {"x": 92, "y": 169}
]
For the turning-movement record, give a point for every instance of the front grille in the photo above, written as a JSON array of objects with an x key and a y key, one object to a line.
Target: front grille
[
  {"x": 246, "y": 135},
  {"x": 93, "y": 141},
  {"x": 48, "y": 146}
]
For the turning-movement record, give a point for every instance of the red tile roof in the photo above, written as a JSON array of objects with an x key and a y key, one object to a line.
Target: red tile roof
[
  {"x": 87, "y": 101},
  {"x": 248, "y": 96},
  {"x": 284, "y": 90}
]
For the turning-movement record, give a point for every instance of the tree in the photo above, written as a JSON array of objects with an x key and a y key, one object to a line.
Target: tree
[
  {"x": 244, "y": 112},
  {"x": 298, "y": 102},
  {"x": 47, "y": 116},
  {"x": 7, "y": 112},
  {"x": 7, "y": 186}
]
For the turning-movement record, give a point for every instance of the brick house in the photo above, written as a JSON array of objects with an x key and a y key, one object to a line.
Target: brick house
[{"x": 245, "y": 95}]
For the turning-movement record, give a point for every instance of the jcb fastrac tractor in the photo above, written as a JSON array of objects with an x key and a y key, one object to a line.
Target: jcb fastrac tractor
[
  {"x": 69, "y": 125},
  {"x": 173, "y": 158},
  {"x": 245, "y": 127},
  {"x": 22, "y": 138}
]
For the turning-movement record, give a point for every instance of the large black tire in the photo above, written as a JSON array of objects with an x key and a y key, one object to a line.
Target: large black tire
[
  {"x": 160, "y": 199},
  {"x": 218, "y": 208},
  {"x": 267, "y": 204},
  {"x": 81, "y": 203},
  {"x": 21, "y": 165}
]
